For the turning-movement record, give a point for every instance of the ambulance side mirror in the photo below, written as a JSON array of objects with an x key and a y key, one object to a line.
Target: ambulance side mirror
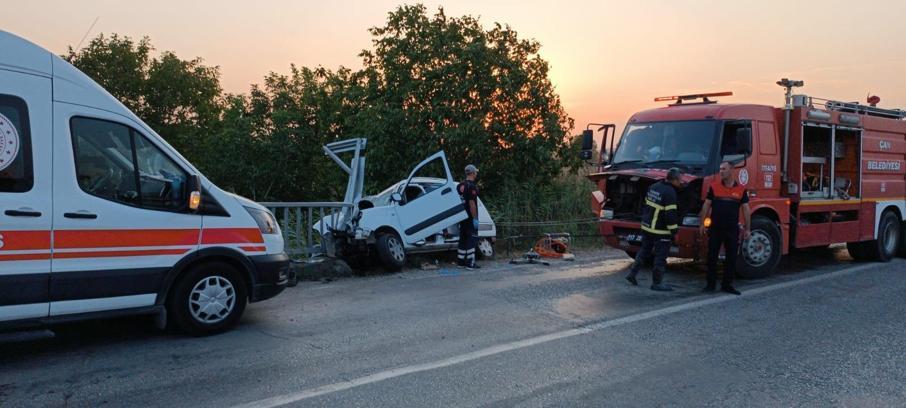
[{"x": 193, "y": 186}]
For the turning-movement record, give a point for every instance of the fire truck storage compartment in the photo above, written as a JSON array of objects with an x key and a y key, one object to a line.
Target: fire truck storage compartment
[
  {"x": 830, "y": 171},
  {"x": 816, "y": 161},
  {"x": 830, "y": 162}
]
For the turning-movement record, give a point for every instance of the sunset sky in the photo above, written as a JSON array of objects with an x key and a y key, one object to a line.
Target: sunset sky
[{"x": 608, "y": 58}]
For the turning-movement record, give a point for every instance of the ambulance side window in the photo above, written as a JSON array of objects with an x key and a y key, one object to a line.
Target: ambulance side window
[
  {"x": 103, "y": 159},
  {"x": 106, "y": 154},
  {"x": 16, "y": 172},
  {"x": 163, "y": 182}
]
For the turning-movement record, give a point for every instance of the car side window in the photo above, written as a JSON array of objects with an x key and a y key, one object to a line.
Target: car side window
[
  {"x": 106, "y": 154},
  {"x": 433, "y": 169},
  {"x": 16, "y": 171}
]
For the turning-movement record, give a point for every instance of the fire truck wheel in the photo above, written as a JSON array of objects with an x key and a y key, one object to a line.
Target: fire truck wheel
[
  {"x": 391, "y": 251},
  {"x": 760, "y": 254},
  {"x": 648, "y": 262},
  {"x": 885, "y": 247},
  {"x": 901, "y": 251},
  {"x": 857, "y": 250}
]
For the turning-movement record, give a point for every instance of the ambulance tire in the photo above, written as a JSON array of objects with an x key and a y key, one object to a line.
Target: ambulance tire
[
  {"x": 391, "y": 251},
  {"x": 886, "y": 246},
  {"x": 763, "y": 248},
  {"x": 185, "y": 305}
]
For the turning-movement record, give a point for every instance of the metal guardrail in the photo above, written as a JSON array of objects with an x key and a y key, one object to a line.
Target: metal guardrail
[{"x": 296, "y": 220}]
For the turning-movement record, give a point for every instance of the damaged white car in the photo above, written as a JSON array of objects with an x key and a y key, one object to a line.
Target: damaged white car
[{"x": 415, "y": 215}]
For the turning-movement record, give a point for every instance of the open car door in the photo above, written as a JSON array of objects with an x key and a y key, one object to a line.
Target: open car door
[{"x": 431, "y": 209}]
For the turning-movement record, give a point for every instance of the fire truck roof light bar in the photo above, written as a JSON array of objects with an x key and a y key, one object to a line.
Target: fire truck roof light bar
[{"x": 680, "y": 98}]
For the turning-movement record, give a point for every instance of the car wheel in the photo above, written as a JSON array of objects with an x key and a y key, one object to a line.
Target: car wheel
[
  {"x": 391, "y": 251},
  {"x": 209, "y": 299},
  {"x": 760, "y": 253},
  {"x": 486, "y": 249}
]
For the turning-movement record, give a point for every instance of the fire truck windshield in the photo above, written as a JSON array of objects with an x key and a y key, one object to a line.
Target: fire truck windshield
[{"x": 687, "y": 144}]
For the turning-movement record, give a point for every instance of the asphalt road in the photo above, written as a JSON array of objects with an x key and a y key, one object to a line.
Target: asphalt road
[{"x": 824, "y": 331}]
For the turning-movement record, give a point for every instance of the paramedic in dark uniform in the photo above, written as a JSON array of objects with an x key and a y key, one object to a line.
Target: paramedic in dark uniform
[
  {"x": 725, "y": 198},
  {"x": 659, "y": 225},
  {"x": 468, "y": 228}
]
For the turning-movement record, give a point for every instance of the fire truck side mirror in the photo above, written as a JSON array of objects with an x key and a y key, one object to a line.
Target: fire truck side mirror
[{"x": 588, "y": 144}]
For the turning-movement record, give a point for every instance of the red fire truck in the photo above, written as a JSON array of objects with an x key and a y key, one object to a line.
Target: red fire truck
[{"x": 818, "y": 172}]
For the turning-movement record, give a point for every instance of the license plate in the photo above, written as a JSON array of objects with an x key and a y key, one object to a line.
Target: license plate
[{"x": 633, "y": 238}]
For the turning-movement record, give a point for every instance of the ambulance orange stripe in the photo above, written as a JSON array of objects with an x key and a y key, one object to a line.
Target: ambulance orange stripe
[
  {"x": 24, "y": 257},
  {"x": 231, "y": 236},
  {"x": 25, "y": 240},
  {"x": 111, "y": 254},
  {"x": 124, "y": 238}
]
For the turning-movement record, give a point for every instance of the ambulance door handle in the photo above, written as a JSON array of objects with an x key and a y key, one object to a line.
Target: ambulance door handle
[
  {"x": 83, "y": 216},
  {"x": 21, "y": 213}
]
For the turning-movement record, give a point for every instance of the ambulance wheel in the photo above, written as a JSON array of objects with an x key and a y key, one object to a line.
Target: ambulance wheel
[
  {"x": 886, "y": 246},
  {"x": 648, "y": 262},
  {"x": 760, "y": 253},
  {"x": 391, "y": 251},
  {"x": 208, "y": 299},
  {"x": 485, "y": 249}
]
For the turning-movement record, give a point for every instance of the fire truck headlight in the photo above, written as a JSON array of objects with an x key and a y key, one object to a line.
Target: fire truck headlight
[
  {"x": 607, "y": 214},
  {"x": 691, "y": 221}
]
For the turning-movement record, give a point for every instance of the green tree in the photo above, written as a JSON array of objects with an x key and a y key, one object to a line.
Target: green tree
[
  {"x": 179, "y": 99},
  {"x": 483, "y": 96}
]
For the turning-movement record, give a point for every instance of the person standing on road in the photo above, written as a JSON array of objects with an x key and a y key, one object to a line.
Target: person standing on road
[
  {"x": 725, "y": 198},
  {"x": 659, "y": 225},
  {"x": 468, "y": 228}
]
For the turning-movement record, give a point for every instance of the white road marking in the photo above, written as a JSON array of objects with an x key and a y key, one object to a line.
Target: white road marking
[{"x": 289, "y": 398}]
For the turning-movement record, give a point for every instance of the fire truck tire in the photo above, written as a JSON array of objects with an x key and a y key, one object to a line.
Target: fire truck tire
[
  {"x": 901, "y": 251},
  {"x": 887, "y": 245},
  {"x": 648, "y": 262},
  {"x": 857, "y": 250},
  {"x": 391, "y": 251},
  {"x": 760, "y": 254}
]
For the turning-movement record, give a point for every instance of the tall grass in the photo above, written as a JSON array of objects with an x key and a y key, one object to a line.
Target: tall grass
[{"x": 565, "y": 200}]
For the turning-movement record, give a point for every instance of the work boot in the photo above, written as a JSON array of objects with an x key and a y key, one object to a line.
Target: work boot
[
  {"x": 661, "y": 287},
  {"x": 711, "y": 287},
  {"x": 631, "y": 278},
  {"x": 729, "y": 289}
]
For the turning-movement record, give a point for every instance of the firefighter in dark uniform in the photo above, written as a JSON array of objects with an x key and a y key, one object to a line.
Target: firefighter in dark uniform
[
  {"x": 725, "y": 198},
  {"x": 468, "y": 228},
  {"x": 659, "y": 225}
]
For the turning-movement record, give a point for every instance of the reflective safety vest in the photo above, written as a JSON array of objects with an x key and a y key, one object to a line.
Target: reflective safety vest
[{"x": 659, "y": 212}]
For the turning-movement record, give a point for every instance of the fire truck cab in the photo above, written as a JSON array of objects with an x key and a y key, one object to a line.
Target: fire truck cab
[{"x": 817, "y": 171}]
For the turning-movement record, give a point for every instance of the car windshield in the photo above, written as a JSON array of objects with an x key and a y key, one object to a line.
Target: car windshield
[
  {"x": 667, "y": 144},
  {"x": 383, "y": 198}
]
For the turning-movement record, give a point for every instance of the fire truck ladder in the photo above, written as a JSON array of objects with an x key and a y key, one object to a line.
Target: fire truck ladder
[{"x": 853, "y": 107}]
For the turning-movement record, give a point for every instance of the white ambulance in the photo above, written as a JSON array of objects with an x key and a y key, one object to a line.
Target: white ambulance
[{"x": 99, "y": 216}]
